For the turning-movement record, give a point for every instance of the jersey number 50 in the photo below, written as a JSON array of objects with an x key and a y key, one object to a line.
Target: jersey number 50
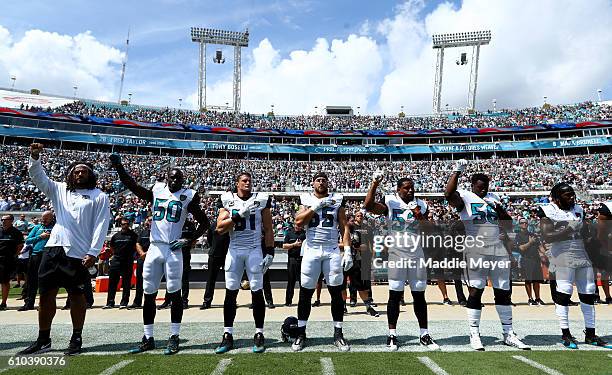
[{"x": 172, "y": 212}]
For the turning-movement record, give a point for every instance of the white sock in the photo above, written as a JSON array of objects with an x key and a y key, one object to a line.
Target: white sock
[
  {"x": 302, "y": 323},
  {"x": 175, "y": 329},
  {"x": 505, "y": 317},
  {"x": 337, "y": 324},
  {"x": 393, "y": 332},
  {"x": 563, "y": 315},
  {"x": 148, "y": 330},
  {"x": 588, "y": 312},
  {"x": 259, "y": 330},
  {"x": 229, "y": 330},
  {"x": 424, "y": 332},
  {"x": 474, "y": 320}
]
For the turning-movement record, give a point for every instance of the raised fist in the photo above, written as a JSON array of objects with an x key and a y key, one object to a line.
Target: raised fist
[
  {"x": 460, "y": 166},
  {"x": 378, "y": 176},
  {"x": 35, "y": 150},
  {"x": 115, "y": 159}
]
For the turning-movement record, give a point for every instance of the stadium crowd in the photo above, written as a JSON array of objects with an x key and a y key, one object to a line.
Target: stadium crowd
[
  {"x": 526, "y": 174},
  {"x": 547, "y": 114}
]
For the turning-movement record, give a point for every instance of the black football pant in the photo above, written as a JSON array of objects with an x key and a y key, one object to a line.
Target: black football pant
[
  {"x": 214, "y": 265},
  {"x": 293, "y": 275},
  {"x": 120, "y": 268}
]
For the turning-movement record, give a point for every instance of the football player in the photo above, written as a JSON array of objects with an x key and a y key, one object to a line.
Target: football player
[
  {"x": 482, "y": 214},
  {"x": 563, "y": 228},
  {"x": 322, "y": 215},
  {"x": 171, "y": 204},
  {"x": 405, "y": 214},
  {"x": 242, "y": 214}
]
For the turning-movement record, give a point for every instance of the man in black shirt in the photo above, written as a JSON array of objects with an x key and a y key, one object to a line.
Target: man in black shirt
[
  {"x": 11, "y": 243},
  {"x": 144, "y": 233},
  {"x": 123, "y": 246},
  {"x": 529, "y": 245},
  {"x": 293, "y": 244},
  {"x": 219, "y": 244}
]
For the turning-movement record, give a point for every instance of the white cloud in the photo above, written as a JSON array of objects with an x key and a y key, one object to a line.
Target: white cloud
[
  {"x": 554, "y": 48},
  {"x": 341, "y": 73},
  {"x": 54, "y": 63}
]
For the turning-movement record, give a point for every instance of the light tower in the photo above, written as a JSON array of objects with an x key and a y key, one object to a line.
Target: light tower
[
  {"x": 475, "y": 39},
  {"x": 237, "y": 39}
]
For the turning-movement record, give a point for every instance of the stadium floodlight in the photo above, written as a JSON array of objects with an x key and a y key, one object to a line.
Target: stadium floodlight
[
  {"x": 237, "y": 39},
  {"x": 599, "y": 91},
  {"x": 473, "y": 39}
]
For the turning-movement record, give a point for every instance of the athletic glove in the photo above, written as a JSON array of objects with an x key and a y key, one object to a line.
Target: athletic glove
[
  {"x": 178, "y": 244},
  {"x": 347, "y": 259},
  {"x": 115, "y": 159},
  {"x": 412, "y": 205},
  {"x": 460, "y": 166},
  {"x": 246, "y": 210},
  {"x": 322, "y": 203},
  {"x": 266, "y": 263},
  {"x": 378, "y": 176}
]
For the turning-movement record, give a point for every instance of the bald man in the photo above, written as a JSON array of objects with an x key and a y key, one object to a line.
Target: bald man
[{"x": 37, "y": 239}]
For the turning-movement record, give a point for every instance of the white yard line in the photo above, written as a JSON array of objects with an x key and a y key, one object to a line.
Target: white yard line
[
  {"x": 221, "y": 366},
  {"x": 537, "y": 365},
  {"x": 433, "y": 366},
  {"x": 116, "y": 367},
  {"x": 327, "y": 366}
]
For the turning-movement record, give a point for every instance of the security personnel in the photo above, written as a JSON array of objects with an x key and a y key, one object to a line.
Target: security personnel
[
  {"x": 144, "y": 234},
  {"x": 293, "y": 244},
  {"x": 123, "y": 246},
  {"x": 219, "y": 244}
]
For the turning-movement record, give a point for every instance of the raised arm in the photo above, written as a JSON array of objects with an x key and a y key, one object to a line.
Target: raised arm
[
  {"x": 370, "y": 203},
  {"x": 450, "y": 193},
  {"x": 129, "y": 182},
  {"x": 37, "y": 172}
]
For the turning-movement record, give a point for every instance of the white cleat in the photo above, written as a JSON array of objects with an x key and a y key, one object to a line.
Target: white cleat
[
  {"x": 428, "y": 342},
  {"x": 511, "y": 339},
  {"x": 475, "y": 342}
]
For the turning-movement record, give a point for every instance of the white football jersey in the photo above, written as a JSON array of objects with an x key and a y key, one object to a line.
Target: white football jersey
[
  {"x": 169, "y": 212},
  {"x": 400, "y": 219},
  {"x": 480, "y": 220},
  {"x": 569, "y": 253},
  {"x": 247, "y": 232},
  {"x": 322, "y": 230}
]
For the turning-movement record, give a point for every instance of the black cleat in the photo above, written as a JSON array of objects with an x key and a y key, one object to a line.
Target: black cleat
[
  {"x": 74, "y": 347},
  {"x": 26, "y": 308},
  {"x": 2, "y": 306},
  {"x": 392, "y": 343},
  {"x": 146, "y": 344},
  {"x": 447, "y": 301},
  {"x": 205, "y": 306},
  {"x": 227, "y": 344},
  {"x": 271, "y": 305},
  {"x": 372, "y": 312},
  {"x": 135, "y": 306},
  {"x": 164, "y": 305},
  {"x": 173, "y": 345},
  {"x": 353, "y": 303},
  {"x": 597, "y": 341},
  {"x": 108, "y": 306},
  {"x": 259, "y": 343},
  {"x": 540, "y": 302},
  {"x": 316, "y": 303},
  {"x": 38, "y": 347}
]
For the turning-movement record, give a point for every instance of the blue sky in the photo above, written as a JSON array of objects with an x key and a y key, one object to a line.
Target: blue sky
[{"x": 382, "y": 58}]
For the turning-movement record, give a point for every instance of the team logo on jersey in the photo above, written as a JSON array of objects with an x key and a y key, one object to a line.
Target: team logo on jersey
[
  {"x": 86, "y": 196},
  {"x": 230, "y": 204},
  {"x": 182, "y": 197},
  {"x": 257, "y": 203}
]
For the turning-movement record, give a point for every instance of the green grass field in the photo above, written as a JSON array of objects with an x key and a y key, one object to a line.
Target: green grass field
[{"x": 456, "y": 363}]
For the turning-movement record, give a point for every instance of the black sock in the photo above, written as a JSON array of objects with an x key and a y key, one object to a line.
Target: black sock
[
  {"x": 77, "y": 332},
  {"x": 44, "y": 335},
  {"x": 229, "y": 307},
  {"x": 259, "y": 308},
  {"x": 590, "y": 332},
  {"x": 149, "y": 309},
  {"x": 565, "y": 332}
]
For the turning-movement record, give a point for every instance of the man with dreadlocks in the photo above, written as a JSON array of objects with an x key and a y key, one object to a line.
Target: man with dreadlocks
[
  {"x": 563, "y": 228},
  {"x": 171, "y": 204},
  {"x": 83, "y": 214}
]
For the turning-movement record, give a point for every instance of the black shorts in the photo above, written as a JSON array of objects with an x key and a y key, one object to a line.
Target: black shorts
[
  {"x": 22, "y": 266},
  {"x": 357, "y": 281},
  {"x": 7, "y": 269},
  {"x": 57, "y": 270},
  {"x": 532, "y": 269}
]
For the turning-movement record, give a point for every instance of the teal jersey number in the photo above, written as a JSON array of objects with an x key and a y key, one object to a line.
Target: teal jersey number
[
  {"x": 171, "y": 213},
  {"x": 483, "y": 217},
  {"x": 241, "y": 225},
  {"x": 398, "y": 223}
]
